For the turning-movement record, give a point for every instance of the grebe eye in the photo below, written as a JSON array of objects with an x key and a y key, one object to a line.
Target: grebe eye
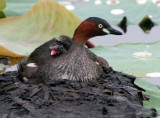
[{"x": 100, "y": 25}]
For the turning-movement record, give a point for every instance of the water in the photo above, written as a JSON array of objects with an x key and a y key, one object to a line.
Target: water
[
  {"x": 134, "y": 35},
  {"x": 154, "y": 80}
]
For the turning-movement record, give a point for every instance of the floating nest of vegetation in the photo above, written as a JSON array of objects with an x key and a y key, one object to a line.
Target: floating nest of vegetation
[{"x": 113, "y": 95}]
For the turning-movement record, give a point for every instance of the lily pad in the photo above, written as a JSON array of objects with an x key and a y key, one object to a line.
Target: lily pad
[
  {"x": 135, "y": 59},
  {"x": 153, "y": 92},
  {"x": 45, "y": 20},
  {"x": 2, "y": 4}
]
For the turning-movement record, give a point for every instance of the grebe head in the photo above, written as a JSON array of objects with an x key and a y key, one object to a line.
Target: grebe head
[{"x": 94, "y": 26}]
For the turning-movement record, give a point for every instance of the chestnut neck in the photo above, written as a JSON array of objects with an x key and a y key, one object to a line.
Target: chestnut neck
[{"x": 85, "y": 31}]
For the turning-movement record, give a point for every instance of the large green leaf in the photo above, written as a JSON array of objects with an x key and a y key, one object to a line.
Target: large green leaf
[
  {"x": 128, "y": 58},
  {"x": 153, "y": 92},
  {"x": 134, "y": 12},
  {"x": 45, "y": 20},
  {"x": 2, "y": 4}
]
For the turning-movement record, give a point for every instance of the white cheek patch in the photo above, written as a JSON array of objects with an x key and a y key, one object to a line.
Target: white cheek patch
[
  {"x": 106, "y": 31},
  {"x": 32, "y": 65}
]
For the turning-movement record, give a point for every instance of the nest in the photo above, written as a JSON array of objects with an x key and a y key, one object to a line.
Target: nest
[{"x": 113, "y": 95}]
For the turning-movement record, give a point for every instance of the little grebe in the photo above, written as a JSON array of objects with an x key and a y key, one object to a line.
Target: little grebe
[{"x": 76, "y": 63}]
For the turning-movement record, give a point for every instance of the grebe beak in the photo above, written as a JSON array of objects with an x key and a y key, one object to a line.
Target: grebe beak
[{"x": 111, "y": 30}]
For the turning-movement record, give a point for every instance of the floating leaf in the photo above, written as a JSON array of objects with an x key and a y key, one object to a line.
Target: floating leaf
[
  {"x": 45, "y": 20},
  {"x": 2, "y": 4},
  {"x": 135, "y": 59},
  {"x": 153, "y": 92}
]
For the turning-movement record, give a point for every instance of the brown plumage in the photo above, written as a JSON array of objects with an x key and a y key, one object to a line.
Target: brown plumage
[{"x": 76, "y": 63}]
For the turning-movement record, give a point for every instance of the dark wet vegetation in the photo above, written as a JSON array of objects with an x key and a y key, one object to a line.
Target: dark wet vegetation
[{"x": 114, "y": 94}]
